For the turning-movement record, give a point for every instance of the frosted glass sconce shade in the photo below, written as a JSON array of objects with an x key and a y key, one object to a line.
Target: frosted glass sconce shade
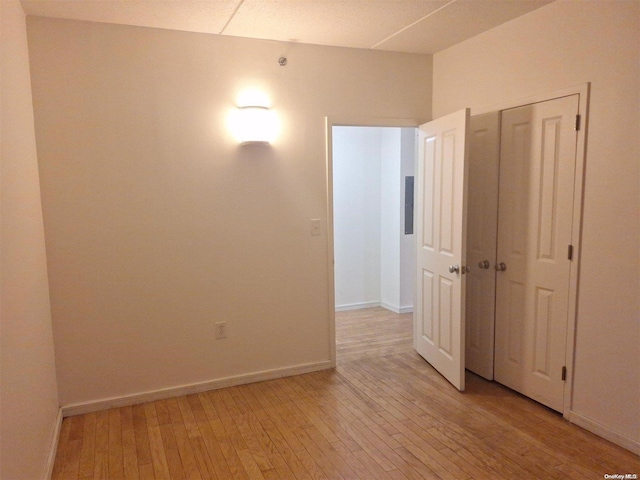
[{"x": 255, "y": 125}]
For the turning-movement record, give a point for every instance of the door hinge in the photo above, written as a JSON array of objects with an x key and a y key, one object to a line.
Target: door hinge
[
  {"x": 564, "y": 374},
  {"x": 577, "y": 125},
  {"x": 570, "y": 252}
]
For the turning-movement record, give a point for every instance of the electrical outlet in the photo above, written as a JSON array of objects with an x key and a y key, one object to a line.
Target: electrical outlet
[{"x": 221, "y": 330}]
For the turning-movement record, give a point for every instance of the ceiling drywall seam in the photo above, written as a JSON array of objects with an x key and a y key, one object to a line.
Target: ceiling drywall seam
[
  {"x": 233, "y": 14},
  {"x": 411, "y": 25}
]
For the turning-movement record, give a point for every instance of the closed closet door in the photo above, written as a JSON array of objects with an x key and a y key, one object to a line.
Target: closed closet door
[{"x": 535, "y": 218}]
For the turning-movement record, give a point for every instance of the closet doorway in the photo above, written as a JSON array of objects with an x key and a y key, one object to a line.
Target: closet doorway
[{"x": 526, "y": 175}]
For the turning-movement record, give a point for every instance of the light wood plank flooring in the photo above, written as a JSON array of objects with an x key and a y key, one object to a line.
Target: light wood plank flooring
[{"x": 383, "y": 413}]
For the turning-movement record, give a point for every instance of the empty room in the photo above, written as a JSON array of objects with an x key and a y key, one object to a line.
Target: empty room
[{"x": 177, "y": 276}]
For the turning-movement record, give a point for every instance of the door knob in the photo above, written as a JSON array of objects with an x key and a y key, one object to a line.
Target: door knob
[
  {"x": 454, "y": 269},
  {"x": 501, "y": 267},
  {"x": 484, "y": 264}
]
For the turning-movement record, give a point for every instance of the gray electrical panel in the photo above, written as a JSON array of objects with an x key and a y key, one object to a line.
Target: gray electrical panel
[{"x": 408, "y": 205}]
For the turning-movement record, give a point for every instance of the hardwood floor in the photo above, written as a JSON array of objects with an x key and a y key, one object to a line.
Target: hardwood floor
[{"x": 383, "y": 413}]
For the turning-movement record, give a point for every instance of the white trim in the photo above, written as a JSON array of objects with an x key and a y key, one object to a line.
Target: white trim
[
  {"x": 576, "y": 240},
  {"x": 396, "y": 308},
  {"x": 126, "y": 400},
  {"x": 53, "y": 448},
  {"x": 604, "y": 432},
  {"x": 331, "y": 290},
  {"x": 391, "y": 308},
  {"x": 581, "y": 89},
  {"x": 357, "y": 306},
  {"x": 347, "y": 121}
]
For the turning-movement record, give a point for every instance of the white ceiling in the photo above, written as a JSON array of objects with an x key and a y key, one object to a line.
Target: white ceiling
[{"x": 417, "y": 26}]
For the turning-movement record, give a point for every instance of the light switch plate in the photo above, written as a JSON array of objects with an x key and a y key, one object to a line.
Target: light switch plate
[{"x": 315, "y": 226}]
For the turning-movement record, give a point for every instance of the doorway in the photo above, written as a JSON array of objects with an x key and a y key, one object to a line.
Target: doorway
[
  {"x": 524, "y": 248},
  {"x": 372, "y": 258},
  {"x": 373, "y": 253}
]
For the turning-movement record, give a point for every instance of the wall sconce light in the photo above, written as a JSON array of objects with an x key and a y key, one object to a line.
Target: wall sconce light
[{"x": 254, "y": 125}]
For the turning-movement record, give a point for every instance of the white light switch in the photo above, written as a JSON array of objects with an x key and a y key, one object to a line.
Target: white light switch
[{"x": 315, "y": 226}]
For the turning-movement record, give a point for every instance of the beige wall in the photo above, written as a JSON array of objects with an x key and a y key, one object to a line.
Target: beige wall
[
  {"x": 158, "y": 224},
  {"x": 563, "y": 44},
  {"x": 28, "y": 396}
]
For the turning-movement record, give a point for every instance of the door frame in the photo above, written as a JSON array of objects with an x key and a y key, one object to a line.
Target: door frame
[
  {"x": 345, "y": 121},
  {"x": 583, "y": 91}
]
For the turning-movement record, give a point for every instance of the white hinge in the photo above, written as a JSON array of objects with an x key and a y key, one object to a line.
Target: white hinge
[{"x": 577, "y": 125}]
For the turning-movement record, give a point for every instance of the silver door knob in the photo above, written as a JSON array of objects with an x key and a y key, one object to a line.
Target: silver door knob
[
  {"x": 484, "y": 264},
  {"x": 454, "y": 269},
  {"x": 501, "y": 267}
]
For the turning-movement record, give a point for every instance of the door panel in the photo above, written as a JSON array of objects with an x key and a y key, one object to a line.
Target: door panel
[
  {"x": 482, "y": 221},
  {"x": 537, "y": 172},
  {"x": 427, "y": 306},
  {"x": 515, "y": 332},
  {"x": 542, "y": 327},
  {"x": 445, "y": 319},
  {"x": 441, "y": 243}
]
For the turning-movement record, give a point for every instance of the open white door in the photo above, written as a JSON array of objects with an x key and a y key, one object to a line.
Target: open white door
[{"x": 441, "y": 244}]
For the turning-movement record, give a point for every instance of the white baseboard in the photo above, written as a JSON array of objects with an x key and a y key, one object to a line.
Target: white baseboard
[
  {"x": 356, "y": 306},
  {"x": 397, "y": 308},
  {"x": 126, "y": 400},
  {"x": 605, "y": 432},
  {"x": 53, "y": 449}
]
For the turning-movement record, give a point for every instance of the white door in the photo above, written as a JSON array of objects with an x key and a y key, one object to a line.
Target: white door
[
  {"x": 482, "y": 221},
  {"x": 537, "y": 170},
  {"x": 440, "y": 240}
]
